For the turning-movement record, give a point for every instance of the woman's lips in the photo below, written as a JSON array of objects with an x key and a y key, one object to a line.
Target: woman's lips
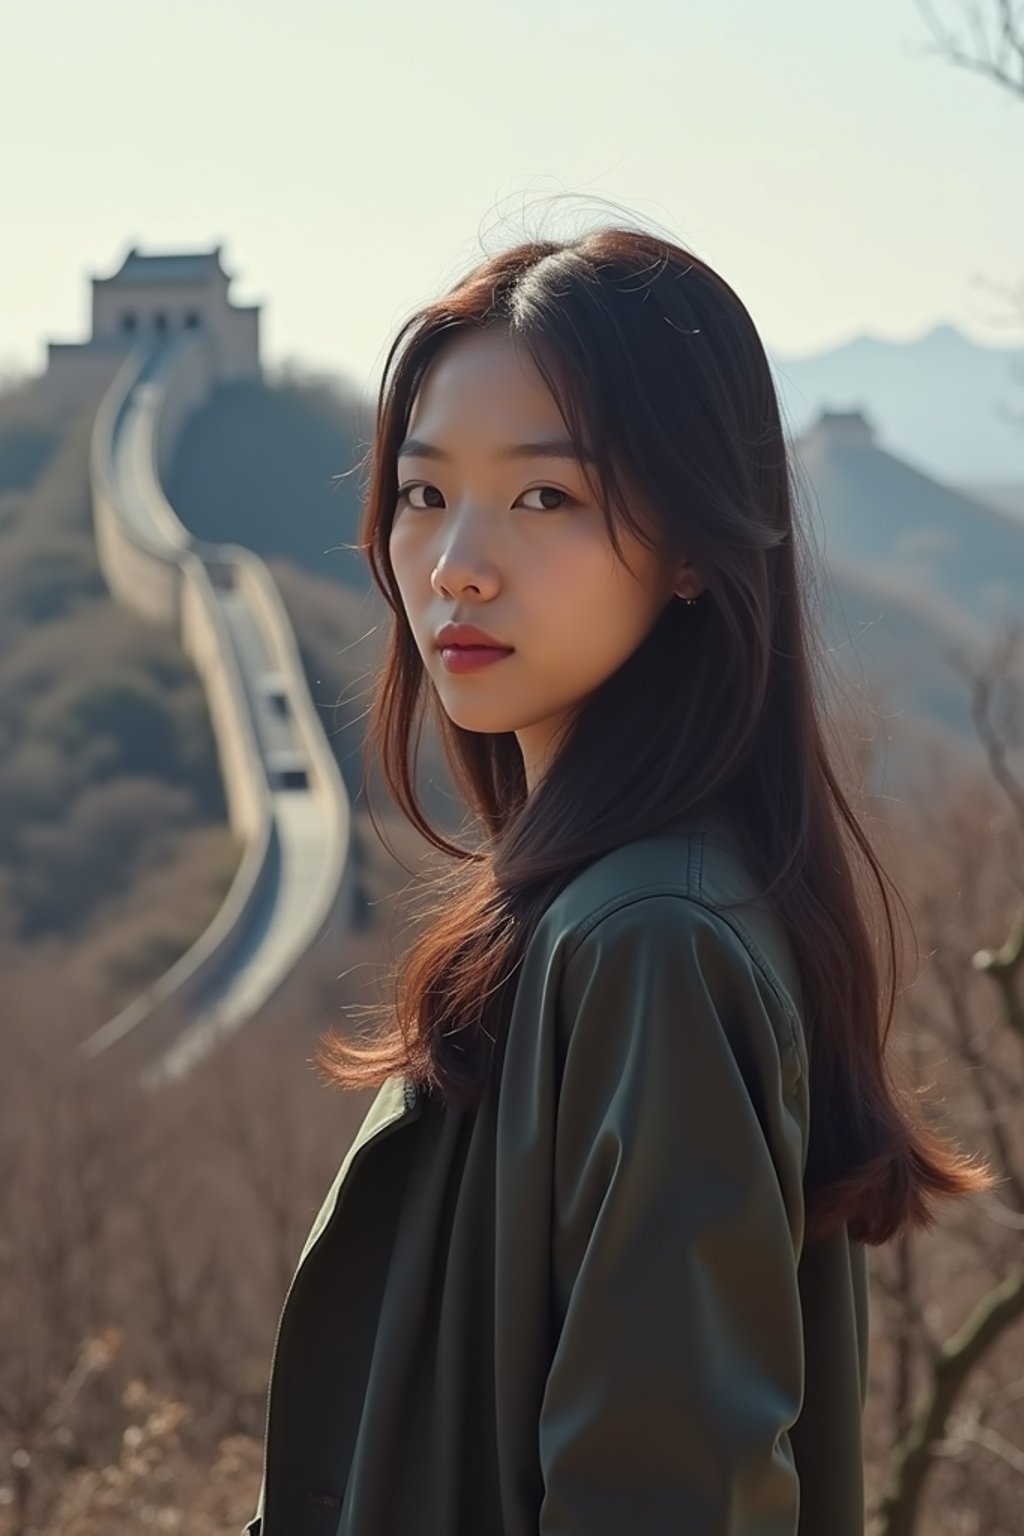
[{"x": 470, "y": 658}]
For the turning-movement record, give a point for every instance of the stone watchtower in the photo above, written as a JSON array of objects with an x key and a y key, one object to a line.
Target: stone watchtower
[{"x": 147, "y": 301}]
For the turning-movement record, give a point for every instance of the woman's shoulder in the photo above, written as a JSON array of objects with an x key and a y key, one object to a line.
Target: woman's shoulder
[{"x": 702, "y": 865}]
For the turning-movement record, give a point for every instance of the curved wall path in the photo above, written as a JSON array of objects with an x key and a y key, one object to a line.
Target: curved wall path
[{"x": 286, "y": 799}]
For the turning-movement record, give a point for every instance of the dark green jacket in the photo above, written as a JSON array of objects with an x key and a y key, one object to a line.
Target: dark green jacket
[{"x": 587, "y": 1308}]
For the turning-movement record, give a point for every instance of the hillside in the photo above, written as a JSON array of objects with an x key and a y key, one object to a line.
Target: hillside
[
  {"x": 933, "y": 540},
  {"x": 897, "y": 642},
  {"x": 114, "y": 849},
  {"x": 273, "y": 467},
  {"x": 945, "y": 402},
  {"x": 113, "y": 838}
]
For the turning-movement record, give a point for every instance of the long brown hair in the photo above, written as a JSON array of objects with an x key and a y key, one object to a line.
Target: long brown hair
[{"x": 658, "y": 371}]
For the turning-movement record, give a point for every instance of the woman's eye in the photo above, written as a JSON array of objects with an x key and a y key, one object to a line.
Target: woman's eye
[
  {"x": 405, "y": 495},
  {"x": 406, "y": 492},
  {"x": 539, "y": 490}
]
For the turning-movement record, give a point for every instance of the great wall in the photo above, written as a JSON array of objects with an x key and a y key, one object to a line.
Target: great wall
[{"x": 164, "y": 335}]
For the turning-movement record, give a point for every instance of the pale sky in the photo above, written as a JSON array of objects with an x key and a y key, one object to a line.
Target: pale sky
[{"x": 354, "y": 160}]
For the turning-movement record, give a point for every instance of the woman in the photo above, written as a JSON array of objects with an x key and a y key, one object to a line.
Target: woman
[{"x": 594, "y": 1262}]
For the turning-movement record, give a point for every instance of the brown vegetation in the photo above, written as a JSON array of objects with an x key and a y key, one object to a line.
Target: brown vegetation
[{"x": 147, "y": 1239}]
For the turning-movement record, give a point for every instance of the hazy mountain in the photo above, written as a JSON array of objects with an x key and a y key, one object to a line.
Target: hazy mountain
[
  {"x": 275, "y": 467},
  {"x": 893, "y": 646},
  {"x": 939, "y": 402},
  {"x": 925, "y": 538},
  {"x": 1005, "y": 498}
]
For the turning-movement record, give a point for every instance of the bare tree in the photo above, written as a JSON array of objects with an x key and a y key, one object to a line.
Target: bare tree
[{"x": 953, "y": 1390}]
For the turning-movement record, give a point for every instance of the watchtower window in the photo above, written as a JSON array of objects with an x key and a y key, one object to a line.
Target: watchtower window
[
  {"x": 193, "y": 320},
  {"x": 160, "y": 321},
  {"x": 128, "y": 322}
]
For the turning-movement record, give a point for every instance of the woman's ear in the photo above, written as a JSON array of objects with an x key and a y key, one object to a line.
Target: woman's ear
[{"x": 688, "y": 582}]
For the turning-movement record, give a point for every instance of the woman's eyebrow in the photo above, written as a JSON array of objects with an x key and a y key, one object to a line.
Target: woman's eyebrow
[{"x": 550, "y": 448}]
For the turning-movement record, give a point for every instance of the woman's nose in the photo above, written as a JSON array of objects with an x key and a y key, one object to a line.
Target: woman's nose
[{"x": 459, "y": 569}]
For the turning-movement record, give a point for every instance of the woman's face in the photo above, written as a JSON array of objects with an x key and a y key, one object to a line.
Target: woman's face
[{"x": 478, "y": 538}]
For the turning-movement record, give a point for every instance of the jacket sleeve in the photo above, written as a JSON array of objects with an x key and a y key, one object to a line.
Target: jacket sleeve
[{"x": 680, "y": 1145}]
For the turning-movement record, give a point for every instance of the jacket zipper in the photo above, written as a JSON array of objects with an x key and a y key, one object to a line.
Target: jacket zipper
[{"x": 410, "y": 1096}]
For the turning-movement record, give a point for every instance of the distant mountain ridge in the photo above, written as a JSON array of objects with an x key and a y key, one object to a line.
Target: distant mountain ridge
[
  {"x": 940, "y": 402},
  {"x": 889, "y": 517}
]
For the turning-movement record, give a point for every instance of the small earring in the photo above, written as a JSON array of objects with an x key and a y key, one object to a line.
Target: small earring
[{"x": 689, "y": 601}]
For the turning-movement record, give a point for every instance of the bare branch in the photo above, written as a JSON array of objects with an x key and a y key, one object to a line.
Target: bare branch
[
  {"x": 997, "y": 60},
  {"x": 1002, "y": 966},
  {"x": 900, "y": 1504}
]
